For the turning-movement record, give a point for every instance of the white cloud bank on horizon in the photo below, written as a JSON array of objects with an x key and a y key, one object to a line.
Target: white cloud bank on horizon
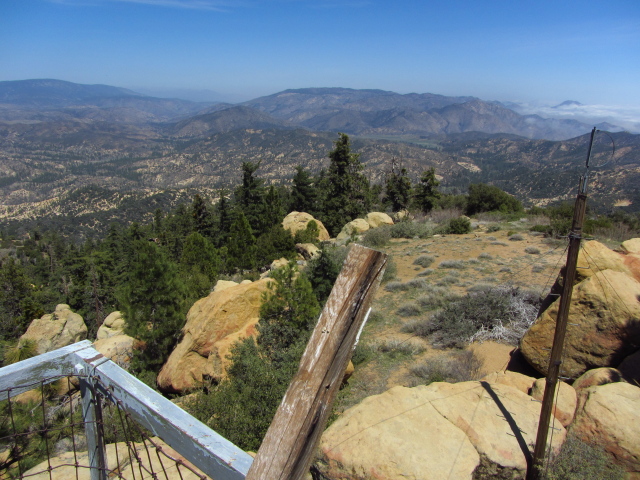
[{"x": 622, "y": 116}]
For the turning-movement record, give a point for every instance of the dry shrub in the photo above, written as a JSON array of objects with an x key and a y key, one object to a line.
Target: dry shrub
[
  {"x": 409, "y": 310},
  {"x": 445, "y": 214},
  {"x": 502, "y": 314},
  {"x": 424, "y": 260},
  {"x": 395, "y": 348},
  {"x": 453, "y": 367}
]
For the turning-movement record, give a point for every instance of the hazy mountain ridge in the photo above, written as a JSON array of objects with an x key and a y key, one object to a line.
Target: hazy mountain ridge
[
  {"x": 378, "y": 112},
  {"x": 45, "y": 159},
  {"x": 28, "y": 100}
]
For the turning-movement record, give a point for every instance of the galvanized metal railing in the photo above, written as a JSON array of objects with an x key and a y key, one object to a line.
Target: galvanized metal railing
[{"x": 103, "y": 383}]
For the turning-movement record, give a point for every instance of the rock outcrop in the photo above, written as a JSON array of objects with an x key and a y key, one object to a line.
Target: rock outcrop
[
  {"x": 118, "y": 348},
  {"x": 122, "y": 459},
  {"x": 595, "y": 257},
  {"x": 513, "y": 379},
  {"x": 297, "y": 221},
  {"x": 377, "y": 219},
  {"x": 630, "y": 369},
  {"x": 597, "y": 376},
  {"x": 354, "y": 227},
  {"x": 604, "y": 314},
  {"x": 213, "y": 324},
  {"x": 608, "y": 416},
  {"x": 113, "y": 325},
  {"x": 437, "y": 431},
  {"x": 56, "y": 330},
  {"x": 564, "y": 407}
]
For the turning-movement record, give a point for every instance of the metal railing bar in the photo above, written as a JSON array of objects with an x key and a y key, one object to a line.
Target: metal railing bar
[
  {"x": 33, "y": 370},
  {"x": 206, "y": 450}
]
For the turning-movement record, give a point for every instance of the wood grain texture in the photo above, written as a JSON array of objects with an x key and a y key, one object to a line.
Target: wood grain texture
[{"x": 288, "y": 447}]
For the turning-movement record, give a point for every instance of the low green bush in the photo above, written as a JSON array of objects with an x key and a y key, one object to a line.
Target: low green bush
[
  {"x": 458, "y": 226},
  {"x": 424, "y": 260},
  {"x": 493, "y": 228},
  {"x": 377, "y": 237},
  {"x": 516, "y": 237},
  {"x": 409, "y": 310},
  {"x": 532, "y": 250},
  {"x": 578, "y": 460},
  {"x": 409, "y": 229},
  {"x": 457, "y": 264}
]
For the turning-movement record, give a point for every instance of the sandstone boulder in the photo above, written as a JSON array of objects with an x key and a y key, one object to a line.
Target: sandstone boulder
[
  {"x": 397, "y": 434},
  {"x": 297, "y": 221},
  {"x": 630, "y": 368},
  {"x": 307, "y": 250},
  {"x": 597, "y": 376},
  {"x": 498, "y": 420},
  {"x": 401, "y": 433},
  {"x": 595, "y": 257},
  {"x": 513, "y": 379},
  {"x": 609, "y": 415},
  {"x": 56, "y": 330},
  {"x": 213, "y": 324},
  {"x": 113, "y": 325},
  {"x": 223, "y": 285},
  {"x": 355, "y": 227},
  {"x": 567, "y": 400},
  {"x": 604, "y": 311},
  {"x": 118, "y": 348},
  {"x": 631, "y": 246},
  {"x": 377, "y": 219},
  {"x": 122, "y": 461}
]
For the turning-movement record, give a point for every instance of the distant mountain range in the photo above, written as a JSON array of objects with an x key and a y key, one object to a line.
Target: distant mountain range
[
  {"x": 372, "y": 113},
  {"x": 59, "y": 138}
]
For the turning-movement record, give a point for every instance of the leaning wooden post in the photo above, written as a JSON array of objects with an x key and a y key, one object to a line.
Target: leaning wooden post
[{"x": 288, "y": 447}]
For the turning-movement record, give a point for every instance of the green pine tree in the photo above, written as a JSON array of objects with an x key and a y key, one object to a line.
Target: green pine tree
[
  {"x": 426, "y": 192},
  {"x": 242, "y": 245},
  {"x": 153, "y": 303},
  {"x": 397, "y": 190},
  {"x": 347, "y": 193}
]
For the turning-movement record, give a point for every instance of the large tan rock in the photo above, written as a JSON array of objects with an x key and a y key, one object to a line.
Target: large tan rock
[
  {"x": 377, "y": 219},
  {"x": 604, "y": 311},
  {"x": 608, "y": 416},
  {"x": 564, "y": 407},
  {"x": 213, "y": 324},
  {"x": 513, "y": 379},
  {"x": 355, "y": 227},
  {"x": 631, "y": 246},
  {"x": 113, "y": 325},
  {"x": 297, "y": 221},
  {"x": 307, "y": 250},
  {"x": 597, "y": 376},
  {"x": 595, "y": 257},
  {"x": 56, "y": 330},
  {"x": 118, "y": 348},
  {"x": 400, "y": 434},
  {"x": 498, "y": 419},
  {"x": 223, "y": 285},
  {"x": 121, "y": 459},
  {"x": 397, "y": 434},
  {"x": 630, "y": 368}
]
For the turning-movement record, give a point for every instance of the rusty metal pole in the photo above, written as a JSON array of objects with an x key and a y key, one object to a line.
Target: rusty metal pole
[{"x": 555, "y": 359}]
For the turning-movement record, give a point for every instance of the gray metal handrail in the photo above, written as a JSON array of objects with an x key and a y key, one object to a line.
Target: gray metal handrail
[{"x": 204, "y": 448}]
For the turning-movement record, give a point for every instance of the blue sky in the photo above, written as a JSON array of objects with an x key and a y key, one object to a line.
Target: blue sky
[{"x": 546, "y": 51}]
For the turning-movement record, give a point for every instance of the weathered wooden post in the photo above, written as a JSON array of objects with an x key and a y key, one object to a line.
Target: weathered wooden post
[{"x": 288, "y": 447}]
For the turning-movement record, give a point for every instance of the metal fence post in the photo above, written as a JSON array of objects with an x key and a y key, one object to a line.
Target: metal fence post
[{"x": 92, "y": 418}]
